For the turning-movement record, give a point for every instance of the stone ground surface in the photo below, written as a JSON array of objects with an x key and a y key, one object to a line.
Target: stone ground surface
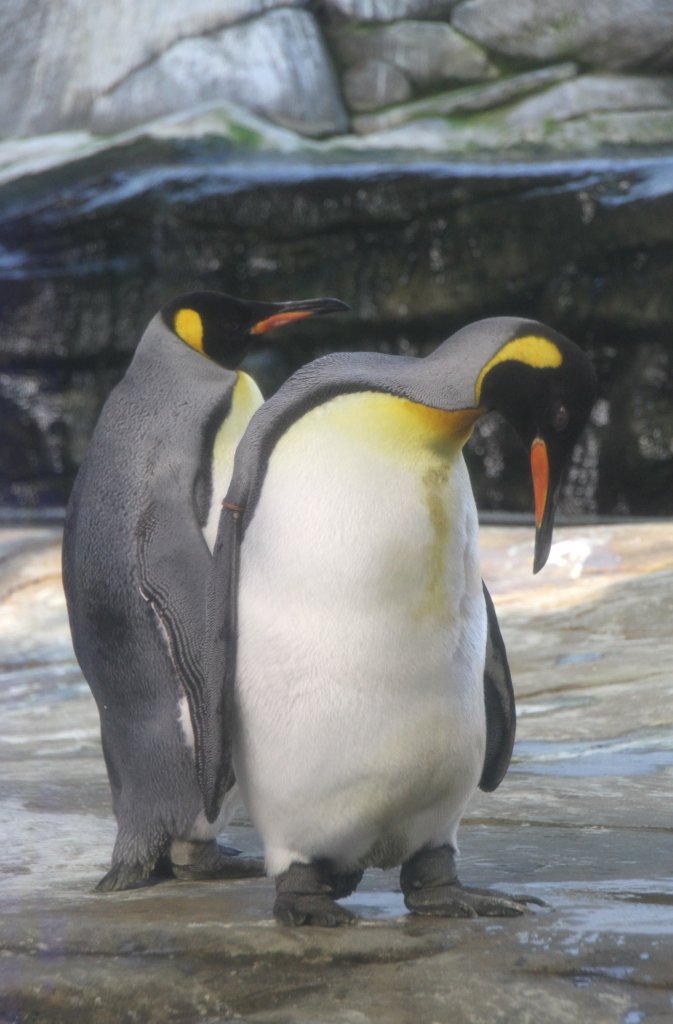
[{"x": 583, "y": 820}]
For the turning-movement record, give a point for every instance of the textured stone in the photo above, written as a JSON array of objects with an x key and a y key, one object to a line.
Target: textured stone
[
  {"x": 374, "y": 84},
  {"x": 42, "y": 442},
  {"x": 290, "y": 81},
  {"x": 612, "y": 34},
  {"x": 495, "y": 135},
  {"x": 426, "y": 52},
  {"x": 470, "y": 99},
  {"x": 630, "y": 128},
  {"x": 58, "y": 57},
  {"x": 91, "y": 251},
  {"x": 227, "y": 122},
  {"x": 387, "y": 10},
  {"x": 591, "y": 94},
  {"x": 640, "y": 478}
]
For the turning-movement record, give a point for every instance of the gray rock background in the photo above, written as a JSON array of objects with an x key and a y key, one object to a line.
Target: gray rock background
[
  {"x": 429, "y": 161},
  {"x": 311, "y": 65}
]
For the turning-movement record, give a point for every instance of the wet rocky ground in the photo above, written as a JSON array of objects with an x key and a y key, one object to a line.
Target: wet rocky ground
[{"x": 582, "y": 820}]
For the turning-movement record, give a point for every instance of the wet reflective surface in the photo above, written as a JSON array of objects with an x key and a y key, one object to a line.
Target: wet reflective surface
[
  {"x": 583, "y": 820},
  {"x": 632, "y": 755}
]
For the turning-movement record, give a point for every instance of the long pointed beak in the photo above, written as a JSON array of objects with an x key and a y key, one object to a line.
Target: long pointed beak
[
  {"x": 545, "y": 502},
  {"x": 276, "y": 314}
]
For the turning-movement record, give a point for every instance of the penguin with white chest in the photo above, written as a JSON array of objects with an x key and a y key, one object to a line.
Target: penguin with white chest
[
  {"x": 137, "y": 544},
  {"x": 350, "y": 635}
]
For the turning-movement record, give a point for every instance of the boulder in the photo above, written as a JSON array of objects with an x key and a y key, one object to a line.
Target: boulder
[
  {"x": 468, "y": 100},
  {"x": 385, "y": 10},
  {"x": 42, "y": 442},
  {"x": 494, "y": 133},
  {"x": 291, "y": 80},
  {"x": 60, "y": 57},
  {"x": 611, "y": 34},
  {"x": 374, "y": 84},
  {"x": 649, "y": 129},
  {"x": 589, "y": 94},
  {"x": 638, "y": 463},
  {"x": 426, "y": 52}
]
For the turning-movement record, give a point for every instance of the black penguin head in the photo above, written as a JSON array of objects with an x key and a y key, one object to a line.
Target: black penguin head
[
  {"x": 223, "y": 328},
  {"x": 545, "y": 386}
]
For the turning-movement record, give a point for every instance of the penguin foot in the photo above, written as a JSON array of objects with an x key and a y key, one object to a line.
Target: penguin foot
[
  {"x": 306, "y": 895},
  {"x": 429, "y": 881},
  {"x": 458, "y": 901},
  {"x": 125, "y": 876},
  {"x": 320, "y": 911},
  {"x": 200, "y": 861},
  {"x": 344, "y": 885}
]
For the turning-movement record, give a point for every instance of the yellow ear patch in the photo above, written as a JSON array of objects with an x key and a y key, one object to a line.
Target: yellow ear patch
[
  {"x": 189, "y": 327},
  {"x": 531, "y": 349}
]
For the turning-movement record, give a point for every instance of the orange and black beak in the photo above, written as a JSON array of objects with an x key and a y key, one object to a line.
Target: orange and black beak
[
  {"x": 545, "y": 489},
  {"x": 267, "y": 316}
]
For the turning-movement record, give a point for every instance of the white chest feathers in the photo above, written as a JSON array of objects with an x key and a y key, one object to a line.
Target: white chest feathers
[
  {"x": 361, "y": 635},
  {"x": 245, "y": 400}
]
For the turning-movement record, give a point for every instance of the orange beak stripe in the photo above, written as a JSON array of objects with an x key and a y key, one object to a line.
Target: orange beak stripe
[
  {"x": 539, "y": 467},
  {"x": 278, "y": 319}
]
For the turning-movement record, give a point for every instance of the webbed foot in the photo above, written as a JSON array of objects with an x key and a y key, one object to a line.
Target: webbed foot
[
  {"x": 430, "y": 885},
  {"x": 125, "y": 876},
  {"x": 199, "y": 861},
  {"x": 318, "y": 910},
  {"x": 306, "y": 896},
  {"x": 458, "y": 901},
  {"x": 342, "y": 885}
]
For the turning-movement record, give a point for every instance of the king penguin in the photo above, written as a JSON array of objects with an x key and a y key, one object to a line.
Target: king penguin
[
  {"x": 137, "y": 544},
  {"x": 349, "y": 633}
]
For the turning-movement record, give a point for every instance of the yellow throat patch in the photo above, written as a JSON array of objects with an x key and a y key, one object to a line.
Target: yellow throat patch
[
  {"x": 532, "y": 350},
  {"x": 398, "y": 425},
  {"x": 245, "y": 401}
]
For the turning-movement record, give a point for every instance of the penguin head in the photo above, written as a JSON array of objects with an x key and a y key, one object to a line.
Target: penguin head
[
  {"x": 223, "y": 328},
  {"x": 545, "y": 387}
]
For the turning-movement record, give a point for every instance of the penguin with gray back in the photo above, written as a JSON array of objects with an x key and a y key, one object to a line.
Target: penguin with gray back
[
  {"x": 350, "y": 637},
  {"x": 139, "y": 528}
]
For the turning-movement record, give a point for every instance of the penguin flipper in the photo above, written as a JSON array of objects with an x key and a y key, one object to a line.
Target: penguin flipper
[
  {"x": 499, "y": 701},
  {"x": 215, "y": 738},
  {"x": 173, "y": 576}
]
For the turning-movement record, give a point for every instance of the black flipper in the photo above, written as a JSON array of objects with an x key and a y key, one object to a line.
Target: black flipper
[
  {"x": 173, "y": 577},
  {"x": 215, "y": 739},
  {"x": 499, "y": 701}
]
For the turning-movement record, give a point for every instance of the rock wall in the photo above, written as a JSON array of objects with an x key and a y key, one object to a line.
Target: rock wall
[
  {"x": 477, "y": 73},
  {"x": 92, "y": 250}
]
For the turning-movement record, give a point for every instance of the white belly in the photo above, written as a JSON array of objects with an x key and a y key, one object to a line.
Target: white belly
[{"x": 361, "y": 649}]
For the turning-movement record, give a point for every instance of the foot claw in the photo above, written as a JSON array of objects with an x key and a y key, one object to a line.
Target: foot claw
[
  {"x": 430, "y": 885},
  {"x": 529, "y": 900},
  {"x": 125, "y": 876},
  {"x": 209, "y": 861},
  {"x": 457, "y": 901},
  {"x": 321, "y": 911}
]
